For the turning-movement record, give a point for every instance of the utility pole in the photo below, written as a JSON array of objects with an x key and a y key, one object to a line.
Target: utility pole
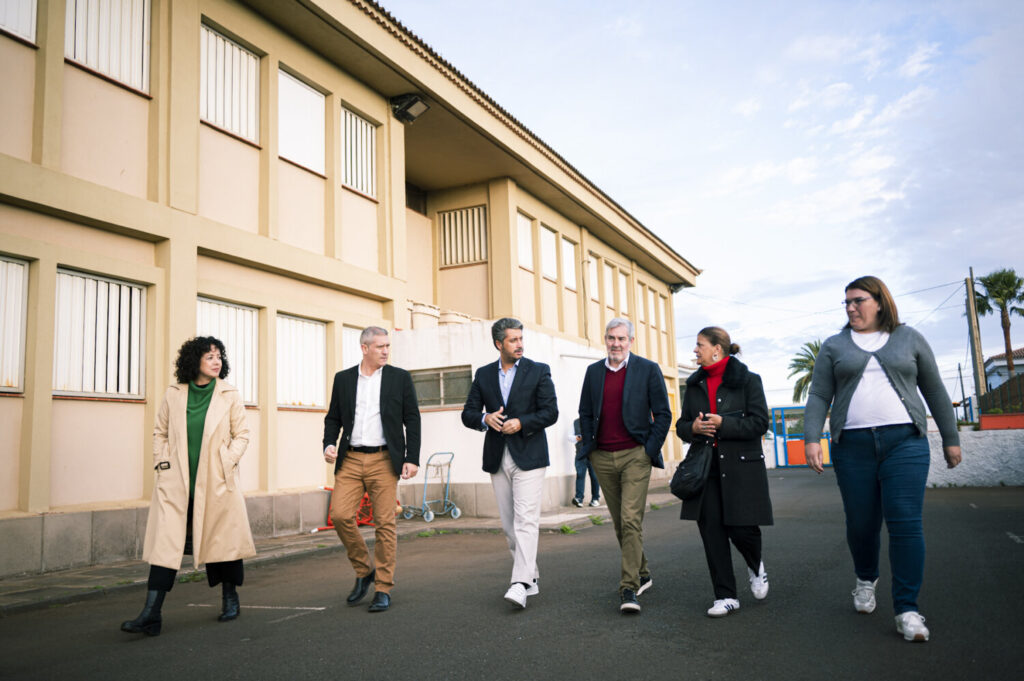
[
  {"x": 977, "y": 362},
  {"x": 963, "y": 397}
]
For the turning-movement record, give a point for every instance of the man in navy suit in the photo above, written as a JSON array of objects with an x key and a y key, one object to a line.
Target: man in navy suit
[
  {"x": 624, "y": 418},
  {"x": 374, "y": 407},
  {"x": 513, "y": 399}
]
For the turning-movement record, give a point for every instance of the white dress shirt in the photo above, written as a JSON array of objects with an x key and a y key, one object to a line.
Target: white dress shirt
[
  {"x": 367, "y": 428},
  {"x": 622, "y": 364}
]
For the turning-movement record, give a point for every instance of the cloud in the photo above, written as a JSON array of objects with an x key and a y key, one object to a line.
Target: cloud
[
  {"x": 748, "y": 107},
  {"x": 920, "y": 61},
  {"x": 831, "y": 96},
  {"x": 905, "y": 105},
  {"x": 856, "y": 120}
]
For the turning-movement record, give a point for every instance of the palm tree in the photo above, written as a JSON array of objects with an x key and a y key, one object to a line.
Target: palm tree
[
  {"x": 803, "y": 364},
  {"x": 1003, "y": 288}
]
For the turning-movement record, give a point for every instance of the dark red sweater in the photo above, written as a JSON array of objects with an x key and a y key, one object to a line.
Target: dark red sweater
[
  {"x": 612, "y": 435},
  {"x": 715, "y": 372}
]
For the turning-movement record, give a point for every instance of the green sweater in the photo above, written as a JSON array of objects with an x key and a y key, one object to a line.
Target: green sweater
[{"x": 195, "y": 419}]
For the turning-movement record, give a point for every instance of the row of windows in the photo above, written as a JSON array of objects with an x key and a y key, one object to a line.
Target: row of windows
[
  {"x": 230, "y": 98},
  {"x": 112, "y": 37},
  {"x": 100, "y": 344},
  {"x": 549, "y": 252}
]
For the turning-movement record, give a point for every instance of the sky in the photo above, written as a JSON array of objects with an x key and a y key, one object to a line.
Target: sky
[{"x": 783, "y": 148}]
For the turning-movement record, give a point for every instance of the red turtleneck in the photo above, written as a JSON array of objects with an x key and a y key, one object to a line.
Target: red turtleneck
[{"x": 714, "y": 372}]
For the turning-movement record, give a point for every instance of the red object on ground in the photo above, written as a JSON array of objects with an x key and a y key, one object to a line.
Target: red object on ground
[{"x": 1001, "y": 421}]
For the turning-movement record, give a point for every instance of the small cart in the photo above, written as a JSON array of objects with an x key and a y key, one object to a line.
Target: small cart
[{"x": 439, "y": 467}]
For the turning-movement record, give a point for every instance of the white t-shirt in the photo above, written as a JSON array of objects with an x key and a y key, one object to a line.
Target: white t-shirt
[{"x": 875, "y": 402}]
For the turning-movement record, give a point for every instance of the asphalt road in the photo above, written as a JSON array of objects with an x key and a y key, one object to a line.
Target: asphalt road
[{"x": 449, "y": 620}]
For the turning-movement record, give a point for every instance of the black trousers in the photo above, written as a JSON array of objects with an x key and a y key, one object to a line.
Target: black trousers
[
  {"x": 230, "y": 572},
  {"x": 717, "y": 535}
]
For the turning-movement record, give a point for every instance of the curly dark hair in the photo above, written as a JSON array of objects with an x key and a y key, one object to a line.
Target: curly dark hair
[{"x": 186, "y": 367}]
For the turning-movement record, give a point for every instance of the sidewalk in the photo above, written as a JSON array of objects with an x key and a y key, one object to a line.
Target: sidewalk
[{"x": 47, "y": 589}]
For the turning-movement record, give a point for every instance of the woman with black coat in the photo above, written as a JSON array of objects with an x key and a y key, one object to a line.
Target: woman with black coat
[{"x": 724, "y": 403}]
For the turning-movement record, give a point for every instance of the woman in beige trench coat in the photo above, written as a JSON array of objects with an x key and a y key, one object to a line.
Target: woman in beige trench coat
[{"x": 199, "y": 436}]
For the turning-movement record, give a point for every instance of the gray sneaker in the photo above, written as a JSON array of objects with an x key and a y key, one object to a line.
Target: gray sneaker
[
  {"x": 911, "y": 625},
  {"x": 864, "y": 595}
]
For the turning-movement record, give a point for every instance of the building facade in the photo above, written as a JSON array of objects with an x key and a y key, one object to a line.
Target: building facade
[{"x": 249, "y": 170}]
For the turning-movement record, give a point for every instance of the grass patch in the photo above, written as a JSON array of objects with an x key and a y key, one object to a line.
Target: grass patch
[
  {"x": 122, "y": 582},
  {"x": 565, "y": 529},
  {"x": 194, "y": 577},
  {"x": 494, "y": 531},
  {"x": 426, "y": 533},
  {"x": 655, "y": 507},
  {"x": 321, "y": 546},
  {"x": 596, "y": 520}
]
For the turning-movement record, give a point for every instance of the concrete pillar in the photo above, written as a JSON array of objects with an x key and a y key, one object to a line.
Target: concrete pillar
[
  {"x": 49, "y": 95},
  {"x": 503, "y": 256},
  {"x": 268, "y": 398},
  {"x": 268, "y": 147},
  {"x": 183, "y": 95},
  {"x": 37, "y": 416}
]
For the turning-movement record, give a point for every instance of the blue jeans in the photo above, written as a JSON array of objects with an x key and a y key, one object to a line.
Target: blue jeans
[
  {"x": 882, "y": 474},
  {"x": 583, "y": 466}
]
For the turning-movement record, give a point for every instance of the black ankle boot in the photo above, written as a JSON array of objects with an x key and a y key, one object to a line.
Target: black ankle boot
[
  {"x": 230, "y": 607},
  {"x": 149, "y": 621}
]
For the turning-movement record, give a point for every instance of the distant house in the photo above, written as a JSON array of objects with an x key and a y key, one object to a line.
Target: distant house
[{"x": 996, "y": 371}]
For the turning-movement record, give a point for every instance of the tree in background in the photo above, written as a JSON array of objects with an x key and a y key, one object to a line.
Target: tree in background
[
  {"x": 803, "y": 365},
  {"x": 1003, "y": 288}
]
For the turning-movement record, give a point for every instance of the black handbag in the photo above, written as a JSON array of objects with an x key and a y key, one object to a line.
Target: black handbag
[{"x": 692, "y": 472}]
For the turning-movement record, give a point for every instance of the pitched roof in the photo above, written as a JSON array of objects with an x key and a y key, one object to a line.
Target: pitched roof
[{"x": 1017, "y": 354}]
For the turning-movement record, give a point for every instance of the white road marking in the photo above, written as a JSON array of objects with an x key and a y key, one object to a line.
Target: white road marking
[
  {"x": 1019, "y": 540},
  {"x": 262, "y": 607},
  {"x": 290, "y": 617},
  {"x": 974, "y": 506}
]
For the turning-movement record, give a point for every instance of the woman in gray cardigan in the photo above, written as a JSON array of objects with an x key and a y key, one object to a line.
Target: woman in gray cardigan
[{"x": 870, "y": 373}]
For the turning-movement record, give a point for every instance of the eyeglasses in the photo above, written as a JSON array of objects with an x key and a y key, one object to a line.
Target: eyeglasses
[{"x": 856, "y": 302}]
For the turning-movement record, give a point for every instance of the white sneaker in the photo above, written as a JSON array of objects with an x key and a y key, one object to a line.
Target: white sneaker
[
  {"x": 516, "y": 595},
  {"x": 911, "y": 625},
  {"x": 758, "y": 582},
  {"x": 723, "y": 607},
  {"x": 864, "y": 595},
  {"x": 595, "y": 503},
  {"x": 534, "y": 588}
]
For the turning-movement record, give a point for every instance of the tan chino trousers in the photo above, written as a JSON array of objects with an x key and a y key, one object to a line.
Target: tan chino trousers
[{"x": 371, "y": 474}]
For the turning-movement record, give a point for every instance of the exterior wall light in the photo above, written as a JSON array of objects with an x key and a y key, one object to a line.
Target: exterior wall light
[{"x": 408, "y": 107}]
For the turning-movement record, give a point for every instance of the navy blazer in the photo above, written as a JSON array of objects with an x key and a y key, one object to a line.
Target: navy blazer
[
  {"x": 398, "y": 408},
  {"x": 531, "y": 400},
  {"x": 645, "y": 408}
]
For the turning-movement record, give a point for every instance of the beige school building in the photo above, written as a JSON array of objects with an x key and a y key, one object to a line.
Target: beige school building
[{"x": 279, "y": 174}]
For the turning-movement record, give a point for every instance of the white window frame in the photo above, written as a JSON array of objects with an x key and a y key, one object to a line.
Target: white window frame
[
  {"x": 463, "y": 236},
  {"x": 593, "y": 276},
  {"x": 641, "y": 315},
  {"x": 18, "y": 17},
  {"x": 358, "y": 153},
  {"x": 238, "y": 328},
  {"x": 94, "y": 37},
  {"x": 609, "y": 284},
  {"x": 84, "y": 303},
  {"x": 652, "y": 300},
  {"x": 524, "y": 229},
  {"x": 351, "y": 348},
  {"x": 548, "y": 253},
  {"x": 623, "y": 293},
  {"x": 13, "y": 318},
  {"x": 229, "y": 85},
  {"x": 301, "y": 362},
  {"x": 568, "y": 264},
  {"x": 301, "y": 111}
]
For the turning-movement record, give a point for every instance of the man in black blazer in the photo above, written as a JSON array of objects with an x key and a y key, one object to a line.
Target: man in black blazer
[
  {"x": 374, "y": 407},
  {"x": 513, "y": 399},
  {"x": 624, "y": 418}
]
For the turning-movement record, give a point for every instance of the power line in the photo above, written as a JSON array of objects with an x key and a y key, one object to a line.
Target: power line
[{"x": 955, "y": 291}]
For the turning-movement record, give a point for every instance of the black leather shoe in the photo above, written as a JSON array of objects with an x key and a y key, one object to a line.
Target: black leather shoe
[
  {"x": 149, "y": 620},
  {"x": 381, "y": 602},
  {"x": 360, "y": 589},
  {"x": 230, "y": 607}
]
